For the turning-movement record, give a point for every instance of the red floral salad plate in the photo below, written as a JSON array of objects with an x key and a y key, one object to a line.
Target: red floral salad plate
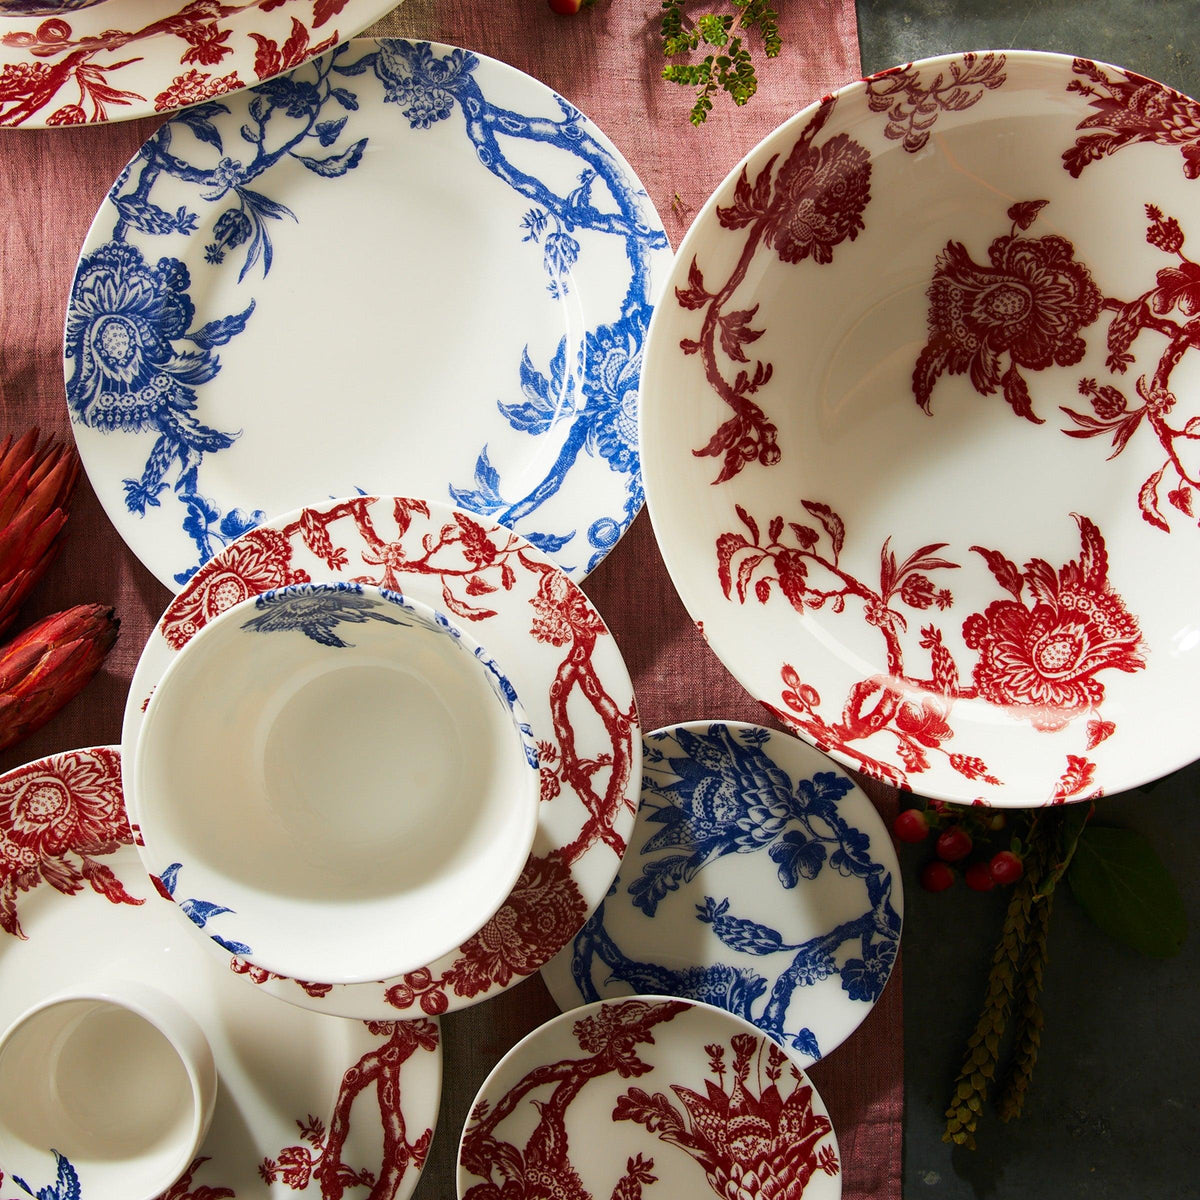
[
  {"x": 64, "y": 63},
  {"x": 920, "y": 426},
  {"x": 648, "y": 1096},
  {"x": 567, "y": 672},
  {"x": 303, "y": 1099}
]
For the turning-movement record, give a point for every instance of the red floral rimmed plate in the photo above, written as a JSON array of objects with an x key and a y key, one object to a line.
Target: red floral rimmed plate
[
  {"x": 649, "y": 1096},
  {"x": 560, "y": 657},
  {"x": 357, "y": 1104},
  {"x": 920, "y": 426},
  {"x": 120, "y": 59}
]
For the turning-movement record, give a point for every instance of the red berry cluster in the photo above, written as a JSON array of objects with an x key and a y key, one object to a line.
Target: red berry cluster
[{"x": 960, "y": 833}]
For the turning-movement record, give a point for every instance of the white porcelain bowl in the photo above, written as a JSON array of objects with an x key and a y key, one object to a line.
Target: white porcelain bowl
[
  {"x": 105, "y": 1092},
  {"x": 920, "y": 426},
  {"x": 335, "y": 783}
]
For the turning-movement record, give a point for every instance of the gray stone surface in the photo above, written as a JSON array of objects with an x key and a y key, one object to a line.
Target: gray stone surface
[{"x": 1115, "y": 1106}]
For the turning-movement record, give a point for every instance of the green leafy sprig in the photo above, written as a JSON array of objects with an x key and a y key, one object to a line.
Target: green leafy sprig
[{"x": 728, "y": 66}]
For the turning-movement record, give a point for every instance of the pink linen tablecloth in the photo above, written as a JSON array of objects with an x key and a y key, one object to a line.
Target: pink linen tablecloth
[{"x": 606, "y": 61}]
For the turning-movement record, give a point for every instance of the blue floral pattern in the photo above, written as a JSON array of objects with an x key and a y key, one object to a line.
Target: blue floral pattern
[
  {"x": 716, "y": 792},
  {"x": 136, "y": 363}
]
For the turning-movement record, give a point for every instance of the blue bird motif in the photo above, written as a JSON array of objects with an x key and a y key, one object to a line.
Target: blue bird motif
[{"x": 317, "y": 611}]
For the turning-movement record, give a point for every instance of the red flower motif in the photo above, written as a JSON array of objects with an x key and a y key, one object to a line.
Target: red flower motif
[
  {"x": 20, "y": 79},
  {"x": 257, "y": 562},
  {"x": 542, "y": 913},
  {"x": 562, "y": 612},
  {"x": 821, "y": 193},
  {"x": 751, "y": 1147},
  {"x": 193, "y": 86},
  {"x": 1030, "y": 303},
  {"x": 50, "y": 809},
  {"x": 69, "y": 114},
  {"x": 207, "y": 43},
  {"x": 74, "y": 804},
  {"x": 1042, "y": 660}
]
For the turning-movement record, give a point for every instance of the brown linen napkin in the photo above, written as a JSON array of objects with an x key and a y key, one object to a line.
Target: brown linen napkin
[{"x": 606, "y": 61}]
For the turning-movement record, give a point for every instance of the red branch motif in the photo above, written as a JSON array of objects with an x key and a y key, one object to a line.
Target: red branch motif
[
  {"x": 58, "y": 818},
  {"x": 1129, "y": 109},
  {"x": 318, "y": 1155},
  {"x": 63, "y": 66},
  {"x": 1039, "y": 653},
  {"x": 1176, "y": 290},
  {"x": 913, "y": 106},
  {"x": 471, "y": 563},
  {"x": 812, "y": 203},
  {"x": 764, "y": 1144},
  {"x": 185, "y": 1187},
  {"x": 609, "y": 1039}
]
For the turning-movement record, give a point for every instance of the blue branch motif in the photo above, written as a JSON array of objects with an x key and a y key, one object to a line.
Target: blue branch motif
[
  {"x": 711, "y": 794},
  {"x": 136, "y": 357}
]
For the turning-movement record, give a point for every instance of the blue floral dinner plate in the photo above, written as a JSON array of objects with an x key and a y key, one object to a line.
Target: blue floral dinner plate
[
  {"x": 759, "y": 878},
  {"x": 403, "y": 266}
]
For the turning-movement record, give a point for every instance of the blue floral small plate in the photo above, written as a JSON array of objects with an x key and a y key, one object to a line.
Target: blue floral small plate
[
  {"x": 759, "y": 878},
  {"x": 402, "y": 267}
]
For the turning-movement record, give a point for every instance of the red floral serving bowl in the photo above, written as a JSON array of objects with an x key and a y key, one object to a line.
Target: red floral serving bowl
[{"x": 920, "y": 426}]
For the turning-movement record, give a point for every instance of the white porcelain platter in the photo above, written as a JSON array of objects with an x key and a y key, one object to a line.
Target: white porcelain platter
[
  {"x": 920, "y": 426},
  {"x": 759, "y": 878},
  {"x": 64, "y": 63},
  {"x": 359, "y": 1100},
  {"x": 560, "y": 658},
  {"x": 401, "y": 266},
  {"x": 677, "y": 1098}
]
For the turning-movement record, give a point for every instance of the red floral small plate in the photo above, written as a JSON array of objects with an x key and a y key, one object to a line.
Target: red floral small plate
[
  {"x": 648, "y": 1096},
  {"x": 921, "y": 432},
  {"x": 119, "y": 59}
]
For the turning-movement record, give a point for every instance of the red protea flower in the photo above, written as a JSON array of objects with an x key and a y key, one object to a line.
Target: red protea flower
[
  {"x": 37, "y": 478},
  {"x": 45, "y": 665}
]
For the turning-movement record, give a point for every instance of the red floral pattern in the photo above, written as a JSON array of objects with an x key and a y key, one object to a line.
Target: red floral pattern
[
  {"x": 914, "y": 102},
  {"x": 1040, "y": 653},
  {"x": 1041, "y": 659},
  {"x": 1128, "y": 109},
  {"x": 543, "y": 1169},
  {"x": 58, "y": 816},
  {"x": 1169, "y": 310},
  {"x": 805, "y": 209},
  {"x": 255, "y": 563},
  {"x": 541, "y": 915},
  {"x": 1030, "y": 303},
  {"x": 318, "y": 1156},
  {"x": 753, "y": 1146},
  {"x": 82, "y": 66},
  {"x": 193, "y": 86},
  {"x": 754, "y": 1135}
]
